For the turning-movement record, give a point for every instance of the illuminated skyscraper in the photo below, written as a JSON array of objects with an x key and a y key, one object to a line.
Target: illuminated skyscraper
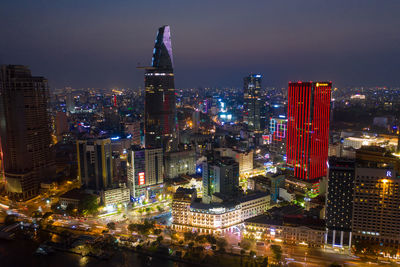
[
  {"x": 308, "y": 129},
  {"x": 160, "y": 110},
  {"x": 376, "y": 204},
  {"x": 339, "y": 203},
  {"x": 278, "y": 132},
  {"x": 25, "y": 131},
  {"x": 252, "y": 101},
  {"x": 145, "y": 171}
]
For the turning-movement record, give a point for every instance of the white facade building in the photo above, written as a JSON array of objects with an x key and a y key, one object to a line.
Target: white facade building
[{"x": 112, "y": 197}]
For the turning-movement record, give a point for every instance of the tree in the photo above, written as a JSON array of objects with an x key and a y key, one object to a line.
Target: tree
[
  {"x": 190, "y": 245},
  {"x": 47, "y": 215},
  {"x": 132, "y": 227},
  {"x": 201, "y": 239},
  {"x": 222, "y": 243},
  {"x": 88, "y": 205},
  {"x": 277, "y": 250},
  {"x": 111, "y": 225},
  {"x": 246, "y": 244},
  {"x": 55, "y": 207},
  {"x": 188, "y": 236},
  {"x": 174, "y": 236},
  {"x": 70, "y": 209},
  {"x": 157, "y": 231},
  {"x": 242, "y": 252},
  {"x": 265, "y": 261},
  {"x": 10, "y": 219},
  {"x": 159, "y": 239},
  {"x": 211, "y": 239}
]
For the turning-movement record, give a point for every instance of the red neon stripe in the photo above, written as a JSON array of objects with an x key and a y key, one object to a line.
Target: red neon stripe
[
  {"x": 324, "y": 134},
  {"x": 293, "y": 103},
  {"x": 307, "y": 132},
  {"x": 320, "y": 131},
  {"x": 314, "y": 132},
  {"x": 297, "y": 131},
  {"x": 301, "y": 136},
  {"x": 303, "y": 89},
  {"x": 288, "y": 140},
  {"x": 289, "y": 148},
  {"x": 317, "y": 129}
]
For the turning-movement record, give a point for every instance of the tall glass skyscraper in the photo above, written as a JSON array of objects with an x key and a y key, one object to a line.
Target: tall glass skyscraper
[
  {"x": 308, "y": 129},
  {"x": 252, "y": 101},
  {"x": 160, "y": 110}
]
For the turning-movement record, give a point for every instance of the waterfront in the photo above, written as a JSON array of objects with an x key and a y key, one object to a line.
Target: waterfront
[{"x": 20, "y": 253}]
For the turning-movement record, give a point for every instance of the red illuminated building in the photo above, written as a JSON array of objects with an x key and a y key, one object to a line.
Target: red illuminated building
[{"x": 308, "y": 129}]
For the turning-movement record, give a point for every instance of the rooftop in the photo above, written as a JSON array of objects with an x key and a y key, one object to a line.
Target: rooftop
[{"x": 74, "y": 194}]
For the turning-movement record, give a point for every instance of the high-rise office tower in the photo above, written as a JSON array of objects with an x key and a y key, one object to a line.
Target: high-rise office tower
[
  {"x": 339, "y": 202},
  {"x": 25, "y": 131},
  {"x": 252, "y": 101},
  {"x": 160, "y": 110},
  {"x": 278, "y": 133},
  {"x": 220, "y": 175},
  {"x": 95, "y": 163},
  {"x": 308, "y": 129},
  {"x": 69, "y": 100},
  {"x": 376, "y": 212},
  {"x": 145, "y": 171}
]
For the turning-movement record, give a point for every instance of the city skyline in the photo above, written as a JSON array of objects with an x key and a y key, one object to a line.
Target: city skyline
[
  {"x": 101, "y": 45},
  {"x": 246, "y": 133}
]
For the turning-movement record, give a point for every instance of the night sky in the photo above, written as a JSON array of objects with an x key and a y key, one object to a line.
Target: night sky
[{"x": 99, "y": 43}]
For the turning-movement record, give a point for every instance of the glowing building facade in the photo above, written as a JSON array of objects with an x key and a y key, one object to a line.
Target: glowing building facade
[
  {"x": 278, "y": 132},
  {"x": 145, "y": 172},
  {"x": 252, "y": 101},
  {"x": 160, "y": 110},
  {"x": 308, "y": 129}
]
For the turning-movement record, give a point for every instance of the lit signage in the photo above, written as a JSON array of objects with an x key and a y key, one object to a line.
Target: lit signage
[
  {"x": 141, "y": 178},
  {"x": 217, "y": 210},
  {"x": 388, "y": 173},
  {"x": 321, "y": 84}
]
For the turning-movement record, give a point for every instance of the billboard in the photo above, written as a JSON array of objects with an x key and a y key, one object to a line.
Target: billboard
[{"x": 141, "y": 178}]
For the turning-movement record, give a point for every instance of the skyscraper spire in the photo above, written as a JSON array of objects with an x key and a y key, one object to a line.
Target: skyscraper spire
[{"x": 162, "y": 52}]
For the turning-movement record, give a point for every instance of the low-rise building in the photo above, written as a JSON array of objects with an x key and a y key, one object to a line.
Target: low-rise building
[
  {"x": 297, "y": 230},
  {"x": 254, "y": 204},
  {"x": 73, "y": 198},
  {"x": 113, "y": 197},
  {"x": 186, "y": 181},
  {"x": 191, "y": 214},
  {"x": 286, "y": 195}
]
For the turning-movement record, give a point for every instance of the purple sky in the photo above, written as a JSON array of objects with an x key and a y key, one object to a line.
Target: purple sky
[{"x": 99, "y": 43}]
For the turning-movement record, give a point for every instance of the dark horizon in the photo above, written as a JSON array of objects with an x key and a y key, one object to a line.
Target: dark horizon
[{"x": 99, "y": 44}]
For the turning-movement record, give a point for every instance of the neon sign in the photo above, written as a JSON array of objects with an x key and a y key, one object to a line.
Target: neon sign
[{"x": 141, "y": 178}]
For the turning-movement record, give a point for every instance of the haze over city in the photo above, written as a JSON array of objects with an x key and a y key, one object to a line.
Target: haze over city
[{"x": 100, "y": 43}]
